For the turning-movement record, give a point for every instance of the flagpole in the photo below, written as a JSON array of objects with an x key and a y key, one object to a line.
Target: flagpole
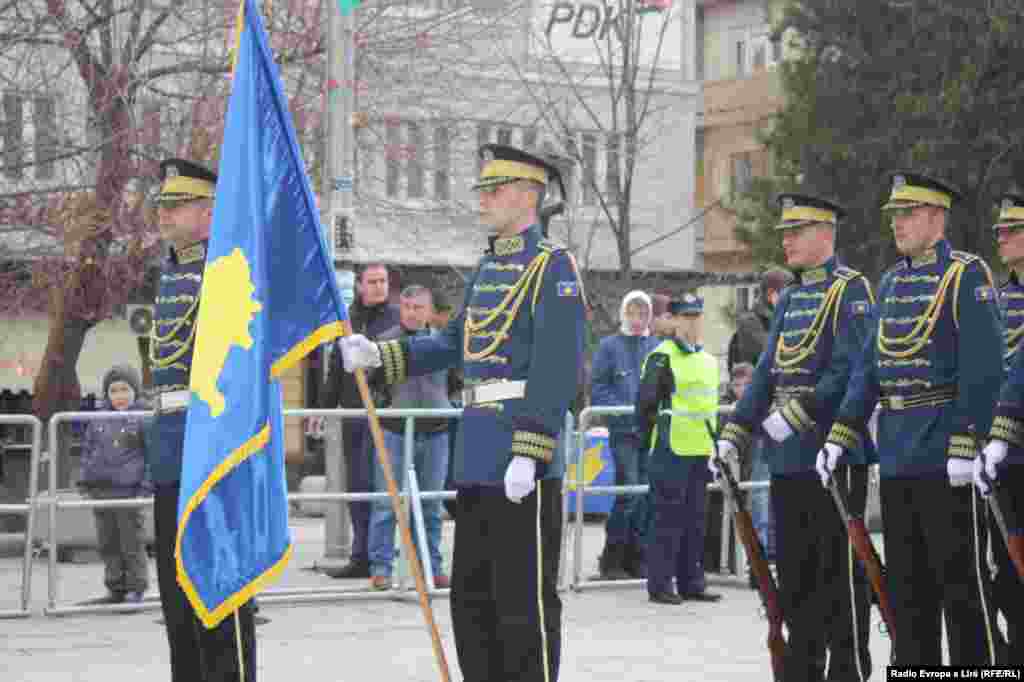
[{"x": 403, "y": 519}]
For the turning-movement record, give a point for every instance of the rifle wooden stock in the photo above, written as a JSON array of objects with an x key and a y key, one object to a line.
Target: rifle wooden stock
[
  {"x": 758, "y": 564},
  {"x": 865, "y": 551}
]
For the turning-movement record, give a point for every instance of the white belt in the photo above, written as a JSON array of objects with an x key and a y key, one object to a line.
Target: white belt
[
  {"x": 493, "y": 392},
  {"x": 172, "y": 401},
  {"x": 690, "y": 415}
]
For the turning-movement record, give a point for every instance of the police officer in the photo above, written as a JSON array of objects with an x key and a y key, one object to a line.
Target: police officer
[
  {"x": 678, "y": 392},
  {"x": 519, "y": 341},
  {"x": 931, "y": 363},
  {"x": 184, "y": 212},
  {"x": 799, "y": 382},
  {"x": 1004, "y": 457}
]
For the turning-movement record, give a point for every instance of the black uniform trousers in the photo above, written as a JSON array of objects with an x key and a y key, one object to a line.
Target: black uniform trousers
[
  {"x": 506, "y": 612},
  {"x": 930, "y": 530},
  {"x": 820, "y": 577},
  {"x": 197, "y": 654},
  {"x": 1008, "y": 586}
]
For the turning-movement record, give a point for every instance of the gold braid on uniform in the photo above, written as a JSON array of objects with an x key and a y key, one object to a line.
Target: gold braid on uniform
[
  {"x": 392, "y": 357},
  {"x": 533, "y": 445},
  {"x": 788, "y": 356},
  {"x": 509, "y": 307},
  {"x": 843, "y": 436},
  {"x": 1009, "y": 430},
  {"x": 158, "y": 342},
  {"x": 738, "y": 435},
  {"x": 1012, "y": 341},
  {"x": 922, "y": 331}
]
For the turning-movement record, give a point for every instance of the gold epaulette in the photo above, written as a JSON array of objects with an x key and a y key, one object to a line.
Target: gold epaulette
[
  {"x": 790, "y": 355},
  {"x": 550, "y": 246},
  {"x": 847, "y": 274},
  {"x": 963, "y": 257}
]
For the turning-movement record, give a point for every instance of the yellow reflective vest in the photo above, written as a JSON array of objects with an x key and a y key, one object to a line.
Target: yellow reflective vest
[{"x": 694, "y": 400}]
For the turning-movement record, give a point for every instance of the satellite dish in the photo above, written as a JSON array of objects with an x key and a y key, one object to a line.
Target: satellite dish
[{"x": 141, "y": 320}]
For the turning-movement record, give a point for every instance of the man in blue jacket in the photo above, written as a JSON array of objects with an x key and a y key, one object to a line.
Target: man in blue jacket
[{"x": 614, "y": 382}]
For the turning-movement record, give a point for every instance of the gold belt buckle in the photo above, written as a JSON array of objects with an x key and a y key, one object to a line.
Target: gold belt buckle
[{"x": 896, "y": 402}]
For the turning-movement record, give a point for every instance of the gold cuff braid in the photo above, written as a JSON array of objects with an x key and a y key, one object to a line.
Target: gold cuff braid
[
  {"x": 738, "y": 435},
  {"x": 393, "y": 358},
  {"x": 1009, "y": 430},
  {"x": 962, "y": 447},
  {"x": 797, "y": 417},
  {"x": 843, "y": 436},
  {"x": 533, "y": 445}
]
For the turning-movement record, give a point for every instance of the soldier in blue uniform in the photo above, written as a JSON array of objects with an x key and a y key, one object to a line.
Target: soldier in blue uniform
[
  {"x": 1004, "y": 455},
  {"x": 931, "y": 363},
  {"x": 519, "y": 342},
  {"x": 678, "y": 392},
  {"x": 184, "y": 211},
  {"x": 815, "y": 338}
]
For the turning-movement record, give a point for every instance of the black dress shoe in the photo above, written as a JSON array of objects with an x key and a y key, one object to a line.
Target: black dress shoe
[
  {"x": 702, "y": 596},
  {"x": 350, "y": 570},
  {"x": 665, "y": 598}
]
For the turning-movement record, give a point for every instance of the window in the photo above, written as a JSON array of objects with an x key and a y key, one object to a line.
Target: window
[
  {"x": 588, "y": 195},
  {"x": 746, "y": 297},
  {"x": 413, "y": 160},
  {"x": 342, "y": 234},
  {"x": 530, "y": 138},
  {"x": 44, "y": 124},
  {"x": 483, "y": 136},
  {"x": 504, "y": 136},
  {"x": 391, "y": 143},
  {"x": 612, "y": 167},
  {"x": 442, "y": 161},
  {"x": 741, "y": 58},
  {"x": 742, "y": 172},
  {"x": 13, "y": 132}
]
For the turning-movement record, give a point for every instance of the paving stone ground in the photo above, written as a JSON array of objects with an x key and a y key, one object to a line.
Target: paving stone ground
[{"x": 610, "y": 633}]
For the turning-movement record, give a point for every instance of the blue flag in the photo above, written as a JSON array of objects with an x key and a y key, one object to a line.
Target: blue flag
[{"x": 269, "y": 297}]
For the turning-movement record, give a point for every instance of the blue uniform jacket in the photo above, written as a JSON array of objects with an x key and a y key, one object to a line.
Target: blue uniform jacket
[
  {"x": 522, "y": 319},
  {"x": 933, "y": 357},
  {"x": 819, "y": 327},
  {"x": 177, "y": 305},
  {"x": 615, "y": 376},
  {"x": 1008, "y": 424}
]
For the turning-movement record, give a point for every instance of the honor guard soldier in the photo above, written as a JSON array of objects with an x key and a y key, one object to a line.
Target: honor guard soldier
[
  {"x": 184, "y": 212},
  {"x": 930, "y": 363},
  {"x": 1004, "y": 455},
  {"x": 519, "y": 341},
  {"x": 820, "y": 323},
  {"x": 678, "y": 392}
]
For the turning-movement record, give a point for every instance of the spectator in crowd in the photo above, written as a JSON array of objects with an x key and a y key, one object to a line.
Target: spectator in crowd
[
  {"x": 430, "y": 450},
  {"x": 114, "y": 466},
  {"x": 615, "y": 379},
  {"x": 660, "y": 325},
  {"x": 370, "y": 315},
  {"x": 752, "y": 326}
]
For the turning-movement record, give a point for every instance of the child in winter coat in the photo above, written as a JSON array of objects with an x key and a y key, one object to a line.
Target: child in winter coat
[{"x": 114, "y": 466}]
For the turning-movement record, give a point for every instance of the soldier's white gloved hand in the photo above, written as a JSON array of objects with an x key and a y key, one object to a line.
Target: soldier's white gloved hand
[
  {"x": 358, "y": 352},
  {"x": 777, "y": 427},
  {"x": 520, "y": 478},
  {"x": 960, "y": 471},
  {"x": 828, "y": 460},
  {"x": 727, "y": 451},
  {"x": 995, "y": 452}
]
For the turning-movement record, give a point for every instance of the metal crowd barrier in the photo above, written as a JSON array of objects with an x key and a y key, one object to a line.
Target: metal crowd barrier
[
  {"x": 410, "y": 493},
  {"x": 27, "y": 509},
  {"x": 579, "y": 583}
]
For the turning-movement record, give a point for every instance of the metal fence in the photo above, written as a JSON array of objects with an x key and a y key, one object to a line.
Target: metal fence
[{"x": 27, "y": 509}]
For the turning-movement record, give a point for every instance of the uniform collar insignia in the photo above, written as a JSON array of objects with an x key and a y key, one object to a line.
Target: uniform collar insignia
[
  {"x": 191, "y": 254},
  {"x": 929, "y": 257},
  {"x": 508, "y": 246},
  {"x": 814, "y": 275}
]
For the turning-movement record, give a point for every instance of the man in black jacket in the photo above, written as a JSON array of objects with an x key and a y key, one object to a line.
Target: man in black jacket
[
  {"x": 752, "y": 326},
  {"x": 371, "y": 314}
]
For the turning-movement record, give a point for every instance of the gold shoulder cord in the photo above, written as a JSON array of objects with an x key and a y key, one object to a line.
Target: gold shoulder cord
[
  {"x": 787, "y": 356},
  {"x": 157, "y": 340},
  {"x": 920, "y": 334},
  {"x": 509, "y": 306}
]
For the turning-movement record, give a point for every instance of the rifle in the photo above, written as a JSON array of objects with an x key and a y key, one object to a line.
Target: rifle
[
  {"x": 867, "y": 554},
  {"x": 755, "y": 556},
  {"x": 999, "y": 500}
]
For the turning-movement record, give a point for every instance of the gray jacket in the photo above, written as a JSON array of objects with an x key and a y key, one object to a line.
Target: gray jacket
[{"x": 429, "y": 391}]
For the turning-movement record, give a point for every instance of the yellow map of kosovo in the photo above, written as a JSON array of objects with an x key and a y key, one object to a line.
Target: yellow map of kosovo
[{"x": 223, "y": 322}]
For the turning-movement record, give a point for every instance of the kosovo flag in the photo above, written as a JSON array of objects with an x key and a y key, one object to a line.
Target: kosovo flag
[{"x": 269, "y": 297}]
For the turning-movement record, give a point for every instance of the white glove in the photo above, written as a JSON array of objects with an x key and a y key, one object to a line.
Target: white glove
[
  {"x": 777, "y": 427},
  {"x": 960, "y": 471},
  {"x": 828, "y": 460},
  {"x": 520, "y": 478},
  {"x": 727, "y": 451},
  {"x": 358, "y": 352},
  {"x": 991, "y": 456}
]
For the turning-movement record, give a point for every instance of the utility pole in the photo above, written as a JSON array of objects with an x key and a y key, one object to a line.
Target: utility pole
[{"x": 337, "y": 185}]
